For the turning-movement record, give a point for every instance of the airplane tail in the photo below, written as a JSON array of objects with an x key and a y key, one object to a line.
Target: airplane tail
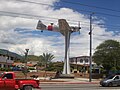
[{"x": 41, "y": 26}]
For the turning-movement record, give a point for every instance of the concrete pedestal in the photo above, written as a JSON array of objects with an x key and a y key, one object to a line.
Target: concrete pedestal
[{"x": 66, "y": 76}]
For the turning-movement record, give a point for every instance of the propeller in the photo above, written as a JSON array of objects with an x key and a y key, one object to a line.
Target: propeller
[{"x": 79, "y": 27}]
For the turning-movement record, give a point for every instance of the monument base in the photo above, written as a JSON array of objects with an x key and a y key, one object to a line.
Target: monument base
[{"x": 66, "y": 76}]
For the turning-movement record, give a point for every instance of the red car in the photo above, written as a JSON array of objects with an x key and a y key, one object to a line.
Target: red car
[{"x": 8, "y": 82}]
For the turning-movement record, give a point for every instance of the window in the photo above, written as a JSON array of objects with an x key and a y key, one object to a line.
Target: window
[
  {"x": 72, "y": 60},
  {"x": 78, "y": 59},
  {"x": 12, "y": 58},
  {"x": 81, "y": 60},
  {"x": 110, "y": 77},
  {"x": 4, "y": 65},
  {"x": 117, "y": 77},
  {"x": 86, "y": 60},
  {"x": 8, "y": 76}
]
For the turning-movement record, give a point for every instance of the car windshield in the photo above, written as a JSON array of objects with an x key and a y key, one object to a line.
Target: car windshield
[{"x": 110, "y": 77}]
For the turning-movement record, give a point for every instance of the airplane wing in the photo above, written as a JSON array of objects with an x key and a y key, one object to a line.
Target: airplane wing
[
  {"x": 63, "y": 25},
  {"x": 65, "y": 28}
]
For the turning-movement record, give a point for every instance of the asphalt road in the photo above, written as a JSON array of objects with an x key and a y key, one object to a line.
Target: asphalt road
[{"x": 75, "y": 87}]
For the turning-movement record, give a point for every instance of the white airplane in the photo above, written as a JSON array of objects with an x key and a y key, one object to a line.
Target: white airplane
[{"x": 62, "y": 27}]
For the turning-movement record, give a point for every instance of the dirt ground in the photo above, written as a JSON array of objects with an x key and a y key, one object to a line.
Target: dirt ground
[{"x": 19, "y": 74}]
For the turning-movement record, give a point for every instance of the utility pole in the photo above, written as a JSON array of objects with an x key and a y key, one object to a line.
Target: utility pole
[{"x": 90, "y": 33}]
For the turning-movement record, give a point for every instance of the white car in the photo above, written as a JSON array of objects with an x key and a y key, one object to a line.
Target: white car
[{"x": 113, "y": 80}]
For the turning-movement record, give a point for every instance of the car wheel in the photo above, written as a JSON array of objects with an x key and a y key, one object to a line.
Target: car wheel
[
  {"x": 27, "y": 88},
  {"x": 103, "y": 85},
  {"x": 110, "y": 84}
]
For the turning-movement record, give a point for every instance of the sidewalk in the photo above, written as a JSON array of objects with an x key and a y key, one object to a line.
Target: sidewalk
[{"x": 70, "y": 81}]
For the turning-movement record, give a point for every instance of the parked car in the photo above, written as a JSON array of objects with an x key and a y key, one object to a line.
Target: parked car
[
  {"x": 16, "y": 69},
  {"x": 113, "y": 80},
  {"x": 8, "y": 82}
]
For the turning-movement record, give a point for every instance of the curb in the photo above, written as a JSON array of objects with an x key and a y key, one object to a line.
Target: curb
[{"x": 69, "y": 82}]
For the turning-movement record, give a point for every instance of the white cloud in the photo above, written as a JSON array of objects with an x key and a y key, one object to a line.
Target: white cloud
[{"x": 39, "y": 43}]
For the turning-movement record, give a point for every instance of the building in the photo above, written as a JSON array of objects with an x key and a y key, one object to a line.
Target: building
[
  {"x": 81, "y": 63},
  {"x": 7, "y": 58},
  {"x": 81, "y": 60}
]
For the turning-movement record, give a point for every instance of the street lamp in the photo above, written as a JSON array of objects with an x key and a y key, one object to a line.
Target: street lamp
[
  {"x": 26, "y": 54},
  {"x": 25, "y": 67},
  {"x": 6, "y": 65}
]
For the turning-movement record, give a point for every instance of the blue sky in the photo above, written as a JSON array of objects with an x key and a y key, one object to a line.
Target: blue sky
[
  {"x": 18, "y": 31},
  {"x": 109, "y": 4}
]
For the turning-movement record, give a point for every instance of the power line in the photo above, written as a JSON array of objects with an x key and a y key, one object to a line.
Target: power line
[
  {"x": 33, "y": 2},
  {"x": 99, "y": 13},
  {"x": 77, "y": 3},
  {"x": 110, "y": 25},
  {"x": 112, "y": 15},
  {"x": 6, "y": 13},
  {"x": 21, "y": 15},
  {"x": 68, "y": 20},
  {"x": 37, "y": 17}
]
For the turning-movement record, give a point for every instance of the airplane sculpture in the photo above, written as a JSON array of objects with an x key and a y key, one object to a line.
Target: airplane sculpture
[
  {"x": 63, "y": 26},
  {"x": 66, "y": 30}
]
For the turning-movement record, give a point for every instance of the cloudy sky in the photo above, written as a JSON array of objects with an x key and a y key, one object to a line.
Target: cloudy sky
[{"x": 18, "y": 20}]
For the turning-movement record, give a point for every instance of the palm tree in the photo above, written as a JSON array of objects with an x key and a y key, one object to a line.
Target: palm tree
[{"x": 46, "y": 58}]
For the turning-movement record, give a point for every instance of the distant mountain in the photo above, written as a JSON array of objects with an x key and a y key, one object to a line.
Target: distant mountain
[{"x": 11, "y": 54}]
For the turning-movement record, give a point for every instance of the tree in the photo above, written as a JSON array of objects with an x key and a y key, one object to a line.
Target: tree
[
  {"x": 46, "y": 58},
  {"x": 107, "y": 54},
  {"x": 33, "y": 58}
]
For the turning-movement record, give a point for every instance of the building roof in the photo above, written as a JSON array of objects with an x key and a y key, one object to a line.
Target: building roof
[
  {"x": 80, "y": 57},
  {"x": 22, "y": 64}
]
